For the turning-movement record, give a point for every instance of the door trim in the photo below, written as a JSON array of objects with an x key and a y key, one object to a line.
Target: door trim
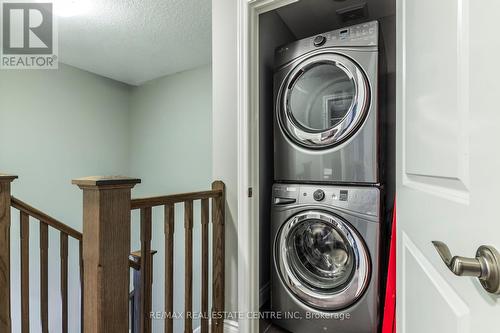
[{"x": 248, "y": 12}]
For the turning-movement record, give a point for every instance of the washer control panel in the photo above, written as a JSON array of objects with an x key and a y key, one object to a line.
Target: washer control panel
[{"x": 363, "y": 200}]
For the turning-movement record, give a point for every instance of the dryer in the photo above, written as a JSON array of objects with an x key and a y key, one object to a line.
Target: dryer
[
  {"x": 326, "y": 121},
  {"x": 325, "y": 272}
]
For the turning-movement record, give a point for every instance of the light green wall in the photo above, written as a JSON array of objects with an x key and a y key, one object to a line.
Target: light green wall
[
  {"x": 64, "y": 124},
  {"x": 171, "y": 132},
  {"x": 225, "y": 130},
  {"x": 171, "y": 152},
  {"x": 55, "y": 126}
]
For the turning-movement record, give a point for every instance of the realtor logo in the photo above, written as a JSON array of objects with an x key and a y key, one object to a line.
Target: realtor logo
[{"x": 28, "y": 35}]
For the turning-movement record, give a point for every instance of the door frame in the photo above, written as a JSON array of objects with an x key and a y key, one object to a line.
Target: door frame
[{"x": 248, "y": 12}]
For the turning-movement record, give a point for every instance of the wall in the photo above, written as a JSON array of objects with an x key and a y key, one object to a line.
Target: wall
[
  {"x": 388, "y": 112},
  {"x": 60, "y": 125},
  {"x": 56, "y": 126},
  {"x": 170, "y": 141},
  {"x": 225, "y": 125},
  {"x": 225, "y": 121},
  {"x": 272, "y": 33}
]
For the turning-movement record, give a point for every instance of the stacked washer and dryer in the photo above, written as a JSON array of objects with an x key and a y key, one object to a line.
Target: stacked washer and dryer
[{"x": 326, "y": 209}]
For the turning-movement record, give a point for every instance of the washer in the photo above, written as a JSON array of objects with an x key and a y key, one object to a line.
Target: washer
[
  {"x": 325, "y": 272},
  {"x": 326, "y": 114}
]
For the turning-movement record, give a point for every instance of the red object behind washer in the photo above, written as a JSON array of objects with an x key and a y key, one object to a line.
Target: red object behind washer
[{"x": 389, "y": 323}]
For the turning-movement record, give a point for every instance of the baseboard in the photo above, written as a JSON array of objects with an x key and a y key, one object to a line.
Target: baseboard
[
  {"x": 264, "y": 294},
  {"x": 230, "y": 326}
]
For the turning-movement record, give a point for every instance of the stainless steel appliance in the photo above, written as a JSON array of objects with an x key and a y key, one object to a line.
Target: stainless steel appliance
[
  {"x": 325, "y": 274},
  {"x": 326, "y": 122}
]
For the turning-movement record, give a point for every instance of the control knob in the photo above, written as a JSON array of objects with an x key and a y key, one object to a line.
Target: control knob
[
  {"x": 319, "y": 40},
  {"x": 318, "y": 195}
]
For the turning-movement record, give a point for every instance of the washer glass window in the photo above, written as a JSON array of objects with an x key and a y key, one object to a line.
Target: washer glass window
[
  {"x": 320, "y": 255},
  {"x": 322, "y": 260}
]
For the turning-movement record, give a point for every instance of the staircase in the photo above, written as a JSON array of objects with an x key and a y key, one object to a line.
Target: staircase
[{"x": 105, "y": 257}]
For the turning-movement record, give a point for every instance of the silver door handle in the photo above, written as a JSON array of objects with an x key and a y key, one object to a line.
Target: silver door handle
[{"x": 485, "y": 266}]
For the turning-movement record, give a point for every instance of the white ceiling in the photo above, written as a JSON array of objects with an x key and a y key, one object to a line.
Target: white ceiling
[{"x": 134, "y": 41}]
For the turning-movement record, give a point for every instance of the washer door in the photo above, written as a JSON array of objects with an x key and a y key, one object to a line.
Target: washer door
[
  {"x": 322, "y": 260},
  {"x": 323, "y": 101}
]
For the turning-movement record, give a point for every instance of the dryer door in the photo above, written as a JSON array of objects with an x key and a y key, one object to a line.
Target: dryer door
[
  {"x": 322, "y": 260},
  {"x": 323, "y": 101}
]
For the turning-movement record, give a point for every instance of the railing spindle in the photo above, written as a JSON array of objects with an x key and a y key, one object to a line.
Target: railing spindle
[
  {"x": 169, "y": 266},
  {"x": 188, "y": 264},
  {"x": 64, "y": 281},
  {"x": 44, "y": 280},
  {"x": 218, "y": 207},
  {"x": 25, "y": 273},
  {"x": 146, "y": 278},
  {"x": 204, "y": 264}
]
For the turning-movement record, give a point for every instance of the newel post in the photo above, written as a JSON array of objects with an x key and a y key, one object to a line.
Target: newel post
[
  {"x": 106, "y": 248},
  {"x": 218, "y": 262},
  {"x": 5, "y": 320}
]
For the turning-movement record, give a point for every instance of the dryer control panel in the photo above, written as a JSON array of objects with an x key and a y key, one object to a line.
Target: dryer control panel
[
  {"x": 361, "y": 35},
  {"x": 365, "y": 33}
]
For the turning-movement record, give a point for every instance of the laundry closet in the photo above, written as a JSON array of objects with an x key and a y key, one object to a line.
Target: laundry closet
[{"x": 327, "y": 161}]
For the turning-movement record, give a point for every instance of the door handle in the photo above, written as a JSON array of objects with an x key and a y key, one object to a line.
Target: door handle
[
  {"x": 284, "y": 201},
  {"x": 485, "y": 266}
]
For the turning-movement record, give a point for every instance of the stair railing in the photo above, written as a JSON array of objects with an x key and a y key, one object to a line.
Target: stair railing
[
  {"x": 145, "y": 205},
  {"x": 103, "y": 268},
  {"x": 107, "y": 207},
  {"x": 45, "y": 221}
]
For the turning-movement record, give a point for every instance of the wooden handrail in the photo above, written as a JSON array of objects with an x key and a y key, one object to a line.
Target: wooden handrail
[
  {"x": 107, "y": 206},
  {"x": 44, "y": 218},
  {"x": 135, "y": 256},
  {"x": 54, "y": 223},
  {"x": 217, "y": 194},
  {"x": 174, "y": 198},
  {"x": 27, "y": 211}
]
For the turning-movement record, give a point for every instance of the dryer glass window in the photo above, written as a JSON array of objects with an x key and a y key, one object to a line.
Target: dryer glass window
[
  {"x": 320, "y": 256},
  {"x": 321, "y": 96}
]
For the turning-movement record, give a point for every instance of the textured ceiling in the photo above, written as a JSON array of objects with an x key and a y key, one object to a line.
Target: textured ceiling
[
  {"x": 135, "y": 41},
  {"x": 309, "y": 17}
]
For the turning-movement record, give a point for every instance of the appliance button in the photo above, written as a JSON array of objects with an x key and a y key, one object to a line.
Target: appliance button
[
  {"x": 319, "y": 40},
  {"x": 344, "y": 194},
  {"x": 319, "y": 195}
]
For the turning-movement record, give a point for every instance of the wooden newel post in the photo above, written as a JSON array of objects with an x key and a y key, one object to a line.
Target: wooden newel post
[
  {"x": 5, "y": 320},
  {"x": 106, "y": 248},
  {"x": 218, "y": 234}
]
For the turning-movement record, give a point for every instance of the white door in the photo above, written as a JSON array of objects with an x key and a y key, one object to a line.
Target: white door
[{"x": 448, "y": 168}]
